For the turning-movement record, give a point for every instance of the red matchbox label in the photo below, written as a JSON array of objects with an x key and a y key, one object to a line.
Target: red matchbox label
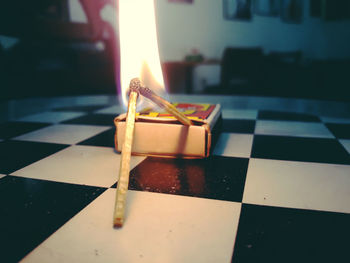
[{"x": 192, "y": 111}]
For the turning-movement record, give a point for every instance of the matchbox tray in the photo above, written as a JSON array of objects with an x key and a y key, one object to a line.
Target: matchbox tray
[{"x": 158, "y": 133}]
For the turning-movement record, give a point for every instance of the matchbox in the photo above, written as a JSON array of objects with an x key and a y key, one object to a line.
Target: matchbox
[{"x": 157, "y": 133}]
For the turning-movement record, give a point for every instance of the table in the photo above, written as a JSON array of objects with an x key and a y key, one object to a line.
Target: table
[{"x": 276, "y": 188}]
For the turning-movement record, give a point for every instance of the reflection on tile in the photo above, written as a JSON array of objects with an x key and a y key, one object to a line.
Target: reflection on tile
[
  {"x": 273, "y": 234},
  {"x": 215, "y": 177},
  {"x": 32, "y": 210},
  {"x": 52, "y": 116},
  {"x": 335, "y": 120},
  {"x": 238, "y": 126},
  {"x": 346, "y": 144},
  {"x": 2, "y": 175},
  {"x": 63, "y": 133},
  {"x": 104, "y": 139},
  {"x": 234, "y": 144},
  {"x": 16, "y": 128},
  {"x": 287, "y": 116},
  {"x": 87, "y": 165},
  {"x": 341, "y": 131},
  {"x": 292, "y": 128},
  {"x": 15, "y": 155},
  {"x": 86, "y": 108},
  {"x": 299, "y": 149},
  {"x": 111, "y": 110},
  {"x": 239, "y": 114},
  {"x": 94, "y": 119},
  {"x": 158, "y": 228},
  {"x": 298, "y": 185}
]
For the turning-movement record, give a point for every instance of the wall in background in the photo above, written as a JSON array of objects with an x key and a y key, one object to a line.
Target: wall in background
[{"x": 201, "y": 25}]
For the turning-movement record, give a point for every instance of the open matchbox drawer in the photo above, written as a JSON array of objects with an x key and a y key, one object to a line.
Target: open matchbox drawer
[{"x": 160, "y": 134}]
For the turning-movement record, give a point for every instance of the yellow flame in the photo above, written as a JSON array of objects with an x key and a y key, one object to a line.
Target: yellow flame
[{"x": 138, "y": 45}]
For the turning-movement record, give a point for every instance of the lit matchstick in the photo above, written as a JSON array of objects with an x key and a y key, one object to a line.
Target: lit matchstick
[
  {"x": 164, "y": 104},
  {"x": 135, "y": 89},
  {"x": 124, "y": 170}
]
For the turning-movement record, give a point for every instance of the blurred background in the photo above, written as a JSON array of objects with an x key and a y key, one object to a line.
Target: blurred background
[{"x": 278, "y": 48}]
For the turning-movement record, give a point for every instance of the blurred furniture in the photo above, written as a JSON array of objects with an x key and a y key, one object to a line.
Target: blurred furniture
[
  {"x": 55, "y": 56},
  {"x": 247, "y": 71},
  {"x": 179, "y": 74}
]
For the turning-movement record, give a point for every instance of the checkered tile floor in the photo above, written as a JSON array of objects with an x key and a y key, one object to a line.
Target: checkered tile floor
[{"x": 276, "y": 189}]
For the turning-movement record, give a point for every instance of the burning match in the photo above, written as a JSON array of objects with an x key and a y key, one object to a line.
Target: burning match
[
  {"x": 123, "y": 182},
  {"x": 164, "y": 104},
  {"x": 136, "y": 88}
]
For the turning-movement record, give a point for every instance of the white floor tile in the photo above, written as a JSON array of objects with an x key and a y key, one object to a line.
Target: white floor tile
[
  {"x": 158, "y": 228},
  {"x": 63, "y": 133},
  {"x": 346, "y": 144},
  {"x": 234, "y": 144},
  {"x": 299, "y": 185},
  {"x": 88, "y": 165},
  {"x": 335, "y": 120},
  {"x": 52, "y": 116},
  {"x": 239, "y": 114},
  {"x": 292, "y": 128},
  {"x": 116, "y": 109}
]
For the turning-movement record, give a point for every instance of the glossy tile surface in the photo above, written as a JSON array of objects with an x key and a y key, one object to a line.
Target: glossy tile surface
[
  {"x": 104, "y": 139},
  {"x": 52, "y": 116},
  {"x": 298, "y": 185},
  {"x": 17, "y": 154},
  {"x": 239, "y": 114},
  {"x": 346, "y": 144},
  {"x": 93, "y": 119},
  {"x": 234, "y": 144},
  {"x": 340, "y": 130},
  {"x": 287, "y": 116},
  {"x": 86, "y": 165},
  {"x": 157, "y": 228},
  {"x": 216, "y": 177},
  {"x": 299, "y": 149},
  {"x": 293, "y": 128},
  {"x": 37, "y": 208},
  {"x": 274, "y": 234},
  {"x": 9, "y": 130},
  {"x": 238, "y": 126},
  {"x": 63, "y": 133},
  {"x": 275, "y": 188},
  {"x": 115, "y": 110}
]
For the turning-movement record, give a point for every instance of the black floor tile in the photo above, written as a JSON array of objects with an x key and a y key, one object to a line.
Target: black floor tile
[
  {"x": 104, "y": 139},
  {"x": 272, "y": 234},
  {"x": 341, "y": 131},
  {"x": 93, "y": 119},
  {"x": 31, "y": 210},
  {"x": 287, "y": 116},
  {"x": 9, "y": 130},
  {"x": 299, "y": 149},
  {"x": 216, "y": 177},
  {"x": 238, "y": 126},
  {"x": 85, "y": 108},
  {"x": 18, "y": 154}
]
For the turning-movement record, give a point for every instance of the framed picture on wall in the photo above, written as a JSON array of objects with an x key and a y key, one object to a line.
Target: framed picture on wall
[
  {"x": 237, "y": 9},
  {"x": 266, "y": 7},
  {"x": 181, "y": 1},
  {"x": 292, "y": 11}
]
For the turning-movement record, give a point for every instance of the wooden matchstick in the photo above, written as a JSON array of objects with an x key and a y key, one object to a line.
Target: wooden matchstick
[
  {"x": 171, "y": 109},
  {"x": 124, "y": 170}
]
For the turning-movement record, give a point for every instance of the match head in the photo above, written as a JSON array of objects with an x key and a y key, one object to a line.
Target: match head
[{"x": 135, "y": 85}]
